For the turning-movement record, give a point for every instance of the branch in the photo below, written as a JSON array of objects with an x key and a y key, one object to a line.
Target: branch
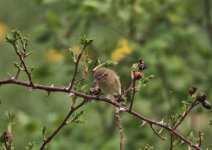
[
  {"x": 92, "y": 97},
  {"x": 186, "y": 113},
  {"x": 171, "y": 142},
  {"x": 118, "y": 121},
  {"x": 64, "y": 122},
  {"x": 162, "y": 138},
  {"x": 76, "y": 69},
  {"x": 133, "y": 94},
  {"x": 200, "y": 139},
  {"x": 85, "y": 42},
  {"x": 22, "y": 57}
]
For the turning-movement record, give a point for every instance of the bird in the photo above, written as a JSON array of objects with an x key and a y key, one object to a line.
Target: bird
[{"x": 108, "y": 81}]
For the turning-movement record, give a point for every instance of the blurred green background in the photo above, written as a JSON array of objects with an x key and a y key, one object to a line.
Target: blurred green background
[{"x": 174, "y": 37}]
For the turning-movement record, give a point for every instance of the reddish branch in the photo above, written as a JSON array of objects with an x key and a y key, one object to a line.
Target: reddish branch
[{"x": 91, "y": 97}]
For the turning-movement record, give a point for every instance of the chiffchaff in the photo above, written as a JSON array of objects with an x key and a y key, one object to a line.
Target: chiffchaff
[{"x": 108, "y": 81}]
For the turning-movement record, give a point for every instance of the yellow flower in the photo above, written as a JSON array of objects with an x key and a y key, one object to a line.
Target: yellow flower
[
  {"x": 3, "y": 31},
  {"x": 122, "y": 50},
  {"x": 53, "y": 56}
]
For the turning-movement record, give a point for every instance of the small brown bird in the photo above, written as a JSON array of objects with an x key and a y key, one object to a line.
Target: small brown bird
[{"x": 108, "y": 81}]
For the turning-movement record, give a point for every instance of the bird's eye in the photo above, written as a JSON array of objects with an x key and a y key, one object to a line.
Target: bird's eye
[{"x": 103, "y": 76}]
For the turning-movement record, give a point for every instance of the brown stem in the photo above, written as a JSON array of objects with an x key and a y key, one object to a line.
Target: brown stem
[
  {"x": 171, "y": 142},
  {"x": 73, "y": 109},
  {"x": 133, "y": 95},
  {"x": 162, "y": 138},
  {"x": 118, "y": 121},
  {"x": 22, "y": 57},
  {"x": 112, "y": 102},
  {"x": 200, "y": 139},
  {"x": 76, "y": 68}
]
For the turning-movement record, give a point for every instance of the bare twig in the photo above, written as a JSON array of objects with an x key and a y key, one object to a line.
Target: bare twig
[
  {"x": 22, "y": 59},
  {"x": 133, "y": 94},
  {"x": 92, "y": 97},
  {"x": 64, "y": 122},
  {"x": 118, "y": 121},
  {"x": 171, "y": 142},
  {"x": 200, "y": 139},
  {"x": 76, "y": 69},
  {"x": 162, "y": 138},
  {"x": 85, "y": 43},
  {"x": 185, "y": 114}
]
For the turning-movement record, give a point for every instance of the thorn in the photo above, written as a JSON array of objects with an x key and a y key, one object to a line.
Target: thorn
[
  {"x": 10, "y": 77},
  {"x": 182, "y": 142},
  {"x": 143, "y": 123},
  {"x": 122, "y": 109},
  {"x": 52, "y": 85},
  {"x": 161, "y": 130},
  {"x": 67, "y": 87},
  {"x": 161, "y": 122},
  {"x": 71, "y": 94}
]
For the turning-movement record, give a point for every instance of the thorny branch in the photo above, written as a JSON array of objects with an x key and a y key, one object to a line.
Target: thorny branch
[
  {"x": 85, "y": 43},
  {"x": 22, "y": 55},
  {"x": 92, "y": 97},
  {"x": 119, "y": 107}
]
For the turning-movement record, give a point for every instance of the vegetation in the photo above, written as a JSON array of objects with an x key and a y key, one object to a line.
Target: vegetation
[{"x": 161, "y": 49}]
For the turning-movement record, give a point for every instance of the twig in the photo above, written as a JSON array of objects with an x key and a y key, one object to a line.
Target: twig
[
  {"x": 185, "y": 114},
  {"x": 171, "y": 142},
  {"x": 92, "y": 97},
  {"x": 22, "y": 57},
  {"x": 75, "y": 70},
  {"x": 128, "y": 89},
  {"x": 200, "y": 139},
  {"x": 118, "y": 121},
  {"x": 64, "y": 122},
  {"x": 162, "y": 138},
  {"x": 133, "y": 94}
]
